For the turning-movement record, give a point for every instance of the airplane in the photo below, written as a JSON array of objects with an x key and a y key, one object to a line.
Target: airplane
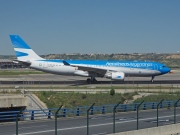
[
  {"x": 111, "y": 69},
  {"x": 118, "y": 70}
]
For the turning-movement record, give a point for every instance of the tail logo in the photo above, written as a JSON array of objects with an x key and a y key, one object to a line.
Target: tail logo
[
  {"x": 20, "y": 54},
  {"x": 18, "y": 42}
]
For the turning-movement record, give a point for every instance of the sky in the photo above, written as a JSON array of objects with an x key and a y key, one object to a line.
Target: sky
[{"x": 91, "y": 26}]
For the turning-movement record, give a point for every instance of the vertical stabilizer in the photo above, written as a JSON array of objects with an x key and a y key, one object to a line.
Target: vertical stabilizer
[{"x": 22, "y": 50}]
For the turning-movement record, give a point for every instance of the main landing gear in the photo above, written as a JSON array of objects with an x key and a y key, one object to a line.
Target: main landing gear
[
  {"x": 91, "y": 80},
  {"x": 152, "y": 79}
]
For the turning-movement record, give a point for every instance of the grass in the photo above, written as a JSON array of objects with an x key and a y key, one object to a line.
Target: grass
[
  {"x": 52, "y": 86},
  {"x": 74, "y": 99},
  {"x": 19, "y": 72},
  {"x": 158, "y": 97},
  {"x": 10, "y": 92}
]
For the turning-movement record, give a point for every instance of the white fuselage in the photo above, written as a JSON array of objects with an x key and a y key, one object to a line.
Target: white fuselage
[
  {"x": 53, "y": 67},
  {"x": 61, "y": 69}
]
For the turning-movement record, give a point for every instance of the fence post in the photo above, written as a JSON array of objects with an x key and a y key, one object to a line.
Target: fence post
[
  {"x": 161, "y": 105},
  {"x": 32, "y": 115},
  {"x": 103, "y": 110},
  {"x": 138, "y": 114},
  {"x": 17, "y": 120},
  {"x": 175, "y": 105},
  {"x": 152, "y": 105},
  {"x": 64, "y": 112},
  {"x": 125, "y": 108},
  {"x": 56, "y": 119},
  {"x": 49, "y": 114},
  {"x": 158, "y": 112},
  {"x": 78, "y": 112},
  {"x": 88, "y": 118},
  {"x": 134, "y": 107},
  {"x": 92, "y": 110},
  {"x": 144, "y": 106},
  {"x": 114, "y": 111},
  {"x": 169, "y": 105}
]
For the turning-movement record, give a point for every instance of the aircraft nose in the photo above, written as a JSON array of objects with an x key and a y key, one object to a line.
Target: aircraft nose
[{"x": 167, "y": 70}]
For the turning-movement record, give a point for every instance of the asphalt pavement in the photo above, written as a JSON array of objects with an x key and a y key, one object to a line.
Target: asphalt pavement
[
  {"x": 50, "y": 79},
  {"x": 98, "y": 124}
]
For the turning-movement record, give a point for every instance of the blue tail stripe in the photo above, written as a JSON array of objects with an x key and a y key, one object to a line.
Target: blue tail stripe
[
  {"x": 20, "y": 54},
  {"x": 18, "y": 42}
]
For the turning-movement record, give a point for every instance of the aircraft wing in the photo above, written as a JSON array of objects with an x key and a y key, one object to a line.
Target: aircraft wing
[
  {"x": 92, "y": 69},
  {"x": 87, "y": 68}
]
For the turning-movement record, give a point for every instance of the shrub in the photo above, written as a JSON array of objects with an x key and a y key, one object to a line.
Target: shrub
[
  {"x": 112, "y": 92},
  {"x": 84, "y": 96},
  {"x": 44, "y": 93}
]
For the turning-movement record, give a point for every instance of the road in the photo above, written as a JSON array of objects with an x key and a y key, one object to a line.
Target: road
[{"x": 99, "y": 124}]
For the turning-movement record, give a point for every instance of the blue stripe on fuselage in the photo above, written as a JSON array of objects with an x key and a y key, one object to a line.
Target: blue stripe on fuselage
[
  {"x": 58, "y": 61},
  {"x": 116, "y": 63}
]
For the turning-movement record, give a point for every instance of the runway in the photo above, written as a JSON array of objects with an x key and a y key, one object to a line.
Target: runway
[
  {"x": 50, "y": 79},
  {"x": 98, "y": 124}
]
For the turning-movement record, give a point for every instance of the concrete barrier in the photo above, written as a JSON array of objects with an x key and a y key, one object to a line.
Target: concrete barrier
[
  {"x": 161, "y": 130},
  {"x": 14, "y": 100}
]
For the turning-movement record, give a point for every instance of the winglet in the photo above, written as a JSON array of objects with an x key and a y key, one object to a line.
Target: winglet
[{"x": 66, "y": 63}]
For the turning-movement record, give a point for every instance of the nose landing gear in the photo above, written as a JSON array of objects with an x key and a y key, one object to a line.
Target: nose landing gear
[{"x": 152, "y": 79}]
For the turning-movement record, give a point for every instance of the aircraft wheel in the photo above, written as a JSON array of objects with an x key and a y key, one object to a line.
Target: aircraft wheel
[
  {"x": 152, "y": 80},
  {"x": 88, "y": 80},
  {"x": 93, "y": 80}
]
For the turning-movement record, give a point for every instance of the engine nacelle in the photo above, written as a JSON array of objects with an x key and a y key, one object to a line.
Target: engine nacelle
[
  {"x": 81, "y": 73},
  {"x": 116, "y": 76}
]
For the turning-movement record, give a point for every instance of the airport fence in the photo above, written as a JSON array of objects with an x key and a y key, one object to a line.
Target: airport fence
[
  {"x": 82, "y": 110},
  {"x": 54, "y": 113}
]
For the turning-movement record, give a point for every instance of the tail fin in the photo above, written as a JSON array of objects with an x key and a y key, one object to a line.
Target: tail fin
[{"x": 22, "y": 50}]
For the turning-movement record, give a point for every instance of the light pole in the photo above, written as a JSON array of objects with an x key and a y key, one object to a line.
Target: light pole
[
  {"x": 114, "y": 111},
  {"x": 88, "y": 117},
  {"x": 138, "y": 114},
  {"x": 175, "y": 105},
  {"x": 158, "y": 112},
  {"x": 56, "y": 119}
]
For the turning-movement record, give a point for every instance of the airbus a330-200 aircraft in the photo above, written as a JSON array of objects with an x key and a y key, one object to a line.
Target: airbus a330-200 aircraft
[
  {"x": 112, "y": 69},
  {"x": 118, "y": 70}
]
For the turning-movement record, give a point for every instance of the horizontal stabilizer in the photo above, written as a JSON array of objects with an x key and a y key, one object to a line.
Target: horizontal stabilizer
[{"x": 27, "y": 63}]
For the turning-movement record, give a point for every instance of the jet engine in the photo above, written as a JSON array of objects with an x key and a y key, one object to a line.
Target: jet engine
[
  {"x": 116, "y": 75},
  {"x": 81, "y": 73}
]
